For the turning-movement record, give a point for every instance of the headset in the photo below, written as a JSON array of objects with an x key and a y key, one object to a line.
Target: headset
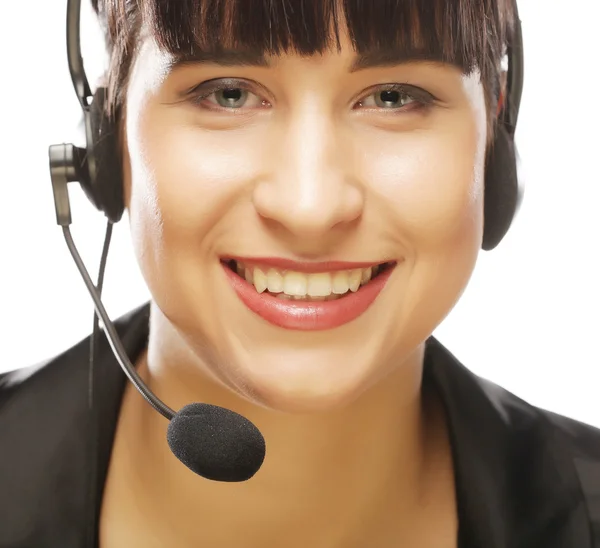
[{"x": 97, "y": 168}]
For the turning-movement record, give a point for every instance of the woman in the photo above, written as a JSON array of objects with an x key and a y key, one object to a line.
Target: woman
[{"x": 305, "y": 185}]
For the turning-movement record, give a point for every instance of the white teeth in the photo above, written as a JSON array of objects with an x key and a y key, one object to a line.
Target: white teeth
[
  {"x": 322, "y": 286},
  {"x": 260, "y": 280},
  {"x": 319, "y": 285},
  {"x": 354, "y": 279},
  {"x": 295, "y": 284},
  {"x": 340, "y": 282},
  {"x": 274, "y": 281},
  {"x": 285, "y": 297}
]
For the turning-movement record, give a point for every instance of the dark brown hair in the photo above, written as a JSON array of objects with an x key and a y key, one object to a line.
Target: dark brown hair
[{"x": 468, "y": 33}]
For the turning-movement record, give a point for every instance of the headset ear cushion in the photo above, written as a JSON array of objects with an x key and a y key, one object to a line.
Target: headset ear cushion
[
  {"x": 104, "y": 162},
  {"x": 502, "y": 192}
]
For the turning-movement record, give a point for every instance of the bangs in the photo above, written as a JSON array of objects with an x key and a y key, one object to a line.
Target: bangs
[
  {"x": 470, "y": 34},
  {"x": 450, "y": 31}
]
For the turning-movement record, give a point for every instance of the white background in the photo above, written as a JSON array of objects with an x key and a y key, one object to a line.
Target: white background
[{"x": 530, "y": 317}]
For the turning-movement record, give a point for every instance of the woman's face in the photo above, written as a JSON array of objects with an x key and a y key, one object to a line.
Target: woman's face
[{"x": 307, "y": 160}]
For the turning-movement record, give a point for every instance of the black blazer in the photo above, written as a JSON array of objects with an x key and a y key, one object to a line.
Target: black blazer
[{"x": 525, "y": 478}]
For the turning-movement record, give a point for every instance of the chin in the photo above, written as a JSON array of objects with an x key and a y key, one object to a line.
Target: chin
[
  {"x": 303, "y": 383},
  {"x": 307, "y": 401}
]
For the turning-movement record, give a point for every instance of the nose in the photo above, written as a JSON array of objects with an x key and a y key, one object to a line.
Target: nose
[{"x": 309, "y": 188}]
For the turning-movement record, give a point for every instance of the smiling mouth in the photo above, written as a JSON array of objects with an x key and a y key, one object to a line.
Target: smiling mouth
[{"x": 301, "y": 286}]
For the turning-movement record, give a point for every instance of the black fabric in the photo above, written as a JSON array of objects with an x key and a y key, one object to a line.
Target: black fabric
[{"x": 525, "y": 478}]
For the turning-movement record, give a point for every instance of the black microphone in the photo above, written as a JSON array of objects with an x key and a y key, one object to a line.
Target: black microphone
[
  {"x": 232, "y": 448},
  {"x": 215, "y": 443}
]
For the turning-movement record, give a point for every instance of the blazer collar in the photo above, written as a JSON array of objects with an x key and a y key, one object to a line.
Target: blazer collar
[{"x": 516, "y": 482}]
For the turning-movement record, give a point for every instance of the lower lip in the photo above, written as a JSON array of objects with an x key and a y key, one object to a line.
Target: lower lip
[{"x": 305, "y": 315}]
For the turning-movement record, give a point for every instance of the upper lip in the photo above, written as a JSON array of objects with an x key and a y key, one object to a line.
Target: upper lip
[{"x": 303, "y": 266}]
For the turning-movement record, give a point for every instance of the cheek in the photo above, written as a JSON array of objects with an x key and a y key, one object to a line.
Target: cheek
[
  {"x": 184, "y": 179},
  {"x": 432, "y": 184}
]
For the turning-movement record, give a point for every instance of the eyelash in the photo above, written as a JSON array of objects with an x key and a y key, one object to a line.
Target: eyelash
[{"x": 422, "y": 99}]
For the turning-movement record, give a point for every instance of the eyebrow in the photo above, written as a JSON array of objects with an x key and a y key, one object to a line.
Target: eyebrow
[{"x": 247, "y": 58}]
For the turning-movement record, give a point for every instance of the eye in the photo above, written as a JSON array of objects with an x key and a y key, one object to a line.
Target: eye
[
  {"x": 230, "y": 95},
  {"x": 397, "y": 97},
  {"x": 226, "y": 94}
]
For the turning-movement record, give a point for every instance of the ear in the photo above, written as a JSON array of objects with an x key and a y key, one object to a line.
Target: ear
[
  {"x": 501, "y": 100},
  {"x": 502, "y": 95}
]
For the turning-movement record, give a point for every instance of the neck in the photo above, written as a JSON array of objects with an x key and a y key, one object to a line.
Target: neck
[{"x": 330, "y": 471}]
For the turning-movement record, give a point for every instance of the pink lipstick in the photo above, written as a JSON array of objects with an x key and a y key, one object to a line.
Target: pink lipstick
[{"x": 307, "y": 315}]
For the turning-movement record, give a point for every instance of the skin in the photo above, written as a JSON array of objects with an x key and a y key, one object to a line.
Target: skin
[{"x": 309, "y": 169}]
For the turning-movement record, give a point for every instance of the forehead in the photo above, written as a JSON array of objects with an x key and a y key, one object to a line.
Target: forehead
[{"x": 379, "y": 31}]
